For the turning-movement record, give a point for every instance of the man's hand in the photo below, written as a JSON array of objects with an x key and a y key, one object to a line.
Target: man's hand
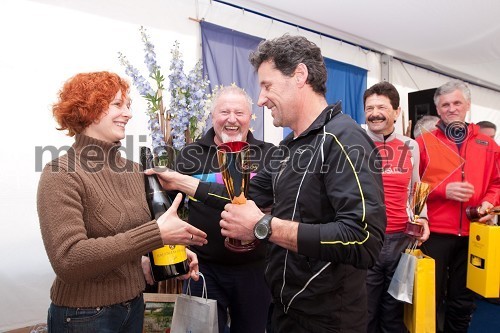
[
  {"x": 173, "y": 181},
  {"x": 425, "y": 233},
  {"x": 238, "y": 221},
  {"x": 146, "y": 269},
  {"x": 194, "y": 270},
  {"x": 488, "y": 219},
  {"x": 459, "y": 191}
]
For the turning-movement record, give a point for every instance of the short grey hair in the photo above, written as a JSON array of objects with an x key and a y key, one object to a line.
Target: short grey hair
[
  {"x": 223, "y": 90},
  {"x": 450, "y": 87},
  {"x": 428, "y": 122}
]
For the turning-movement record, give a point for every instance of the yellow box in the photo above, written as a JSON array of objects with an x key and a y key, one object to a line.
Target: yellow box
[{"x": 483, "y": 262}]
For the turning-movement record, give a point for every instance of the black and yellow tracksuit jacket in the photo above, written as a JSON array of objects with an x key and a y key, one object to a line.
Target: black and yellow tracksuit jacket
[{"x": 328, "y": 180}]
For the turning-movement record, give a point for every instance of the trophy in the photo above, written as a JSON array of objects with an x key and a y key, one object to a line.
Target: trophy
[
  {"x": 474, "y": 212},
  {"x": 420, "y": 193},
  {"x": 233, "y": 164}
]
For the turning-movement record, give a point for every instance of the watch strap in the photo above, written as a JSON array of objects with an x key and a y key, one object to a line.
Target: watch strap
[{"x": 265, "y": 220}]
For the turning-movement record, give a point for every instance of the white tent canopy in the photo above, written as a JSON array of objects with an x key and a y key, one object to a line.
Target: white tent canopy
[
  {"x": 44, "y": 42},
  {"x": 459, "y": 37}
]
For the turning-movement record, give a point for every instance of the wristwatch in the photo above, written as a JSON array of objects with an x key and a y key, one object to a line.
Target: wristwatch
[{"x": 262, "y": 229}]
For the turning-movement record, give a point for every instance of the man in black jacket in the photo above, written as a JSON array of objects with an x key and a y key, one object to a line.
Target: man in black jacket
[
  {"x": 328, "y": 216},
  {"x": 235, "y": 280}
]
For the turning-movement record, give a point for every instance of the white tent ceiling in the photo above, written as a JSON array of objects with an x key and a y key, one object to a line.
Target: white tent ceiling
[{"x": 457, "y": 37}]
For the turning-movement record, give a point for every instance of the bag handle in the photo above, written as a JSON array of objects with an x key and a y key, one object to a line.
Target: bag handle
[{"x": 204, "y": 293}]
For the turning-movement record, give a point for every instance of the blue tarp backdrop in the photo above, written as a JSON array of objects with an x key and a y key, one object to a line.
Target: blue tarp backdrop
[
  {"x": 346, "y": 83},
  {"x": 225, "y": 60}
]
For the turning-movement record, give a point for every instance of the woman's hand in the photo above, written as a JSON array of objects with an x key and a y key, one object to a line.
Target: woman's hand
[{"x": 175, "y": 231}]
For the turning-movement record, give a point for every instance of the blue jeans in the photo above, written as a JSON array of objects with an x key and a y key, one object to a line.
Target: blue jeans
[{"x": 118, "y": 318}]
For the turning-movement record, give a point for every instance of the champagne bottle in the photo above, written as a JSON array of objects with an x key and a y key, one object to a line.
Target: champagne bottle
[{"x": 170, "y": 260}]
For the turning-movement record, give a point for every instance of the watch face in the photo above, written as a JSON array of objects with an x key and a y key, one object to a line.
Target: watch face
[{"x": 261, "y": 231}]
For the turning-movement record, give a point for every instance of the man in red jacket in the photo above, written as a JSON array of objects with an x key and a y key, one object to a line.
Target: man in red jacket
[
  {"x": 399, "y": 157},
  {"x": 463, "y": 167}
]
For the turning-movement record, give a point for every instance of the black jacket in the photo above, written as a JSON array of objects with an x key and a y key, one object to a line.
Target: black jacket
[
  {"x": 199, "y": 159},
  {"x": 328, "y": 180}
]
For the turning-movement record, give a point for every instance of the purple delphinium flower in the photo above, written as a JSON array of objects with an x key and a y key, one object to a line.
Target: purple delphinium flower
[
  {"x": 138, "y": 80},
  {"x": 178, "y": 99},
  {"x": 149, "y": 54},
  {"x": 188, "y": 97},
  {"x": 145, "y": 90}
]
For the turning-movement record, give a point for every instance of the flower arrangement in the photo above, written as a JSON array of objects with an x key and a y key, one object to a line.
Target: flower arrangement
[{"x": 186, "y": 117}]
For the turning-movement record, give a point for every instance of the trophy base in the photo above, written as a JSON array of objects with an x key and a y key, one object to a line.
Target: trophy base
[
  {"x": 235, "y": 245},
  {"x": 414, "y": 229}
]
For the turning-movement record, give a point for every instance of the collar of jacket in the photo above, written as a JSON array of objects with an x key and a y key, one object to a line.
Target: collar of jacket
[
  {"x": 208, "y": 139},
  {"x": 324, "y": 117},
  {"x": 472, "y": 129},
  {"x": 380, "y": 137}
]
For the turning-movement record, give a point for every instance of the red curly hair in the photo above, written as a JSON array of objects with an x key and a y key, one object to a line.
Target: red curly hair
[{"x": 84, "y": 97}]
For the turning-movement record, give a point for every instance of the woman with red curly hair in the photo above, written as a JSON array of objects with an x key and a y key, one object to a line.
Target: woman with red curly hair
[{"x": 94, "y": 218}]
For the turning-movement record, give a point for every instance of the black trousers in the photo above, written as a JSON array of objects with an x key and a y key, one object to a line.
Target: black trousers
[
  {"x": 454, "y": 302},
  {"x": 240, "y": 289}
]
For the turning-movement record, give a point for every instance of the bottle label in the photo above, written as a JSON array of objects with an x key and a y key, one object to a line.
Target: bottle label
[{"x": 169, "y": 255}]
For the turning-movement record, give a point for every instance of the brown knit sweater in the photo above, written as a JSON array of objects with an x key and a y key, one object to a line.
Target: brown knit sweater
[{"x": 95, "y": 225}]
